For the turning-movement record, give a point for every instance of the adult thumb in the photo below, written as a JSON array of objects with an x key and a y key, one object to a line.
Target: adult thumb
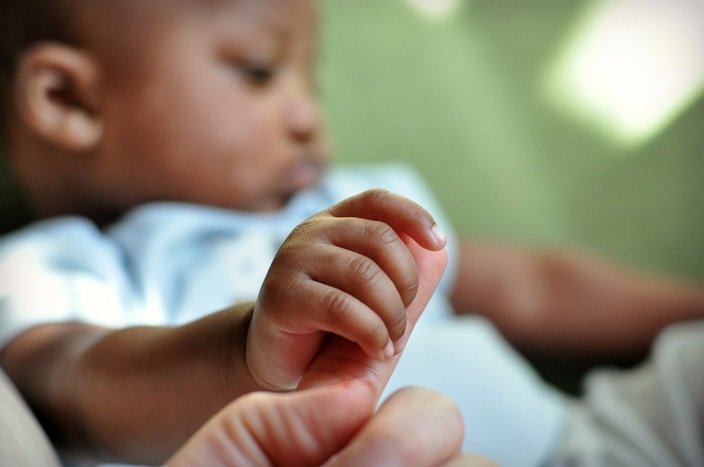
[{"x": 299, "y": 428}]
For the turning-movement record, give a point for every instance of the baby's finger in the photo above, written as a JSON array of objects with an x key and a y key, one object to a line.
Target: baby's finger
[
  {"x": 402, "y": 214},
  {"x": 338, "y": 312},
  {"x": 278, "y": 355},
  {"x": 373, "y": 239},
  {"x": 362, "y": 278},
  {"x": 340, "y": 360},
  {"x": 381, "y": 243}
]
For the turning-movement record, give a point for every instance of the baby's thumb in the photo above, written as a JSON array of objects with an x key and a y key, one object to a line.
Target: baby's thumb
[{"x": 300, "y": 428}]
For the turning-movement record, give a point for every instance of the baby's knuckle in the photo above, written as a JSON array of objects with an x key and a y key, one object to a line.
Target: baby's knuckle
[
  {"x": 279, "y": 290},
  {"x": 408, "y": 290},
  {"x": 365, "y": 270},
  {"x": 337, "y": 305},
  {"x": 376, "y": 195},
  {"x": 381, "y": 234},
  {"x": 397, "y": 326},
  {"x": 300, "y": 234}
]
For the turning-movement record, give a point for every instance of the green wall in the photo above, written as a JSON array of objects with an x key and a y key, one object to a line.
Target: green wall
[{"x": 459, "y": 98}]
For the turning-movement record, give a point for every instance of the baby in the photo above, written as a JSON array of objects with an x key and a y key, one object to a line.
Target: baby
[
  {"x": 177, "y": 152},
  {"x": 138, "y": 393}
]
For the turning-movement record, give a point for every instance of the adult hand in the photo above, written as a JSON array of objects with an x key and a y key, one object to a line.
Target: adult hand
[{"x": 331, "y": 425}]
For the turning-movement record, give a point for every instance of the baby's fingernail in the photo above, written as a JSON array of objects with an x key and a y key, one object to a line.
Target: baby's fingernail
[
  {"x": 389, "y": 350},
  {"x": 437, "y": 233}
]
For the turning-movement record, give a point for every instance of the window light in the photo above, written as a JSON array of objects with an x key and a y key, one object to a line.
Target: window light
[{"x": 632, "y": 66}]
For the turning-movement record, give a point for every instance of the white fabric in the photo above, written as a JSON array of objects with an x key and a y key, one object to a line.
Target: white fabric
[
  {"x": 170, "y": 263},
  {"x": 650, "y": 417},
  {"x": 22, "y": 441}
]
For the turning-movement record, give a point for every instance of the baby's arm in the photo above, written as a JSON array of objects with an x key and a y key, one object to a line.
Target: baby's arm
[
  {"x": 570, "y": 303},
  {"x": 346, "y": 271},
  {"x": 130, "y": 395}
]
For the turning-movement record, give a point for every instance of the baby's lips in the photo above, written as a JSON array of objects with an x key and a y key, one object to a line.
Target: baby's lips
[{"x": 305, "y": 175}]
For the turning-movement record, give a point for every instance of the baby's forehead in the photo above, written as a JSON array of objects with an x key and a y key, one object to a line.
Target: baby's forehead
[
  {"x": 120, "y": 23},
  {"x": 123, "y": 33},
  {"x": 147, "y": 13},
  {"x": 124, "y": 18}
]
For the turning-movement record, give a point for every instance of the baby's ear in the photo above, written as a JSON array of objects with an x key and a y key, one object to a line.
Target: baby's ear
[{"x": 56, "y": 93}]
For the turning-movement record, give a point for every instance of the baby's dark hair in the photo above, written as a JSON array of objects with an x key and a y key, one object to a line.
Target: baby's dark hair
[{"x": 24, "y": 23}]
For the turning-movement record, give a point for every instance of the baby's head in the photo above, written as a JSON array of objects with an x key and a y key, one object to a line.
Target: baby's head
[{"x": 113, "y": 103}]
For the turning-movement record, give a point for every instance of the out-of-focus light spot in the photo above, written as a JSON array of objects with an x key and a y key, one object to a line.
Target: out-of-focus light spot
[
  {"x": 437, "y": 8},
  {"x": 632, "y": 66}
]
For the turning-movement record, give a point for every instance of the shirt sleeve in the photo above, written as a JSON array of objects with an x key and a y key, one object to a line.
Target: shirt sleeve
[{"x": 60, "y": 270}]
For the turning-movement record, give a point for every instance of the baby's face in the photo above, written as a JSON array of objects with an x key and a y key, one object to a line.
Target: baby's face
[{"x": 214, "y": 105}]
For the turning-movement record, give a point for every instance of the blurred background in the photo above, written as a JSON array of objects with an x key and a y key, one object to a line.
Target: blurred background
[{"x": 544, "y": 122}]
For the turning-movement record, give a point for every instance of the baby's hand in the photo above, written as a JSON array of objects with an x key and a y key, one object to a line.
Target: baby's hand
[{"x": 344, "y": 271}]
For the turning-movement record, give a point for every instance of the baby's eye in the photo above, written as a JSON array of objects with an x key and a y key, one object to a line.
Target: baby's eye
[{"x": 259, "y": 75}]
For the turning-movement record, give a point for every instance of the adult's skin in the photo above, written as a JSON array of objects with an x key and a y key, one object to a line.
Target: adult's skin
[
  {"x": 331, "y": 418},
  {"x": 332, "y": 425}
]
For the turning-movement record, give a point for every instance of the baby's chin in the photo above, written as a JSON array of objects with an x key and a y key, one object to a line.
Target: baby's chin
[
  {"x": 300, "y": 178},
  {"x": 270, "y": 204}
]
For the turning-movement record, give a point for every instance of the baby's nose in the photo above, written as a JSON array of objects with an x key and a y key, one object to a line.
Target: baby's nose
[{"x": 303, "y": 117}]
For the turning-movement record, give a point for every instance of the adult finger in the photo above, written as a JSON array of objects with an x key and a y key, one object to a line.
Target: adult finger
[{"x": 414, "y": 426}]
